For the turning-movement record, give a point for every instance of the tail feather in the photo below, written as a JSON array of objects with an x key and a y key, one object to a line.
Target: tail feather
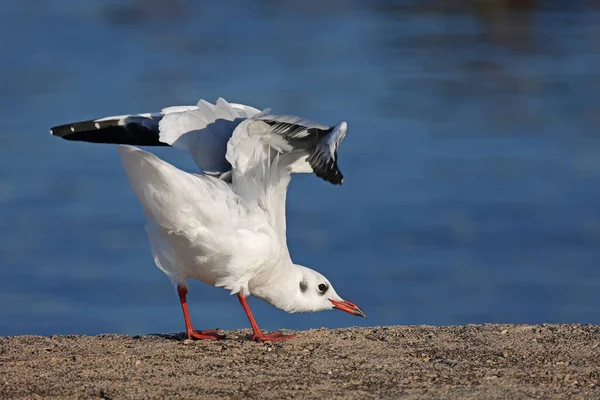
[{"x": 174, "y": 198}]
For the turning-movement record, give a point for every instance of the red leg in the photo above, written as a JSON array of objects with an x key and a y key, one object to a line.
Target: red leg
[
  {"x": 191, "y": 333},
  {"x": 257, "y": 335}
]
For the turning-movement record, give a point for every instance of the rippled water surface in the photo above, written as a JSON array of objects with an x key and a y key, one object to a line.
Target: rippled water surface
[{"x": 472, "y": 161}]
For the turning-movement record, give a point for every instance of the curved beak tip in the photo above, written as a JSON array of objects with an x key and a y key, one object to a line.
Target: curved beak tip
[{"x": 348, "y": 307}]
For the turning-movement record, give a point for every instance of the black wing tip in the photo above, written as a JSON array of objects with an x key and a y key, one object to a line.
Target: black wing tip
[
  {"x": 62, "y": 130},
  {"x": 335, "y": 182},
  {"x": 331, "y": 174},
  {"x": 334, "y": 176},
  {"x": 109, "y": 132},
  {"x": 326, "y": 168},
  {"x": 72, "y": 130}
]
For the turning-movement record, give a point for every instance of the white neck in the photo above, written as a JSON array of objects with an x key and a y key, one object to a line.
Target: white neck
[{"x": 280, "y": 288}]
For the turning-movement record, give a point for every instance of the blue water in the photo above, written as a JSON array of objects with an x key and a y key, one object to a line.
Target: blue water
[{"x": 472, "y": 161}]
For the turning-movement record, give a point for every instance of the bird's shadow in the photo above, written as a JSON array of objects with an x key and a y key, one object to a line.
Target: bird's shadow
[{"x": 181, "y": 337}]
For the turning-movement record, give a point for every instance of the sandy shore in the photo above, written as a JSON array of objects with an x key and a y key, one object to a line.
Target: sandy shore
[{"x": 482, "y": 361}]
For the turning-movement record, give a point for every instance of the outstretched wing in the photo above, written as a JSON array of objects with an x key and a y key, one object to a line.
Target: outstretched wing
[
  {"x": 319, "y": 142},
  {"x": 202, "y": 130},
  {"x": 265, "y": 149},
  {"x": 135, "y": 129}
]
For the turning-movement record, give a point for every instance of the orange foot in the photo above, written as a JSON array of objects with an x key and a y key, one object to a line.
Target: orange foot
[
  {"x": 205, "y": 335},
  {"x": 270, "y": 337}
]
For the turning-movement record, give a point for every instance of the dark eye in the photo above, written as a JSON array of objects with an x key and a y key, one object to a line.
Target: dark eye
[{"x": 322, "y": 287}]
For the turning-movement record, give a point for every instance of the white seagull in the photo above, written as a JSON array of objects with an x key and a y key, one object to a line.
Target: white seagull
[{"x": 225, "y": 227}]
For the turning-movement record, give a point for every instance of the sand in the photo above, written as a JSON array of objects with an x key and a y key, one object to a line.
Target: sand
[{"x": 478, "y": 361}]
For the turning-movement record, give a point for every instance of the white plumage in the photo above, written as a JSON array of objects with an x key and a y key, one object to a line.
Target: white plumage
[{"x": 226, "y": 227}]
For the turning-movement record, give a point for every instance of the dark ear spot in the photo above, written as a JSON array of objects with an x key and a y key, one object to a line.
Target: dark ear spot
[{"x": 303, "y": 286}]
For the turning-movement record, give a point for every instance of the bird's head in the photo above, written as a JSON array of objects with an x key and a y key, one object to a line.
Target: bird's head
[{"x": 315, "y": 293}]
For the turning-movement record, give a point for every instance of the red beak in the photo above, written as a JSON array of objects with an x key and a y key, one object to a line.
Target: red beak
[{"x": 348, "y": 307}]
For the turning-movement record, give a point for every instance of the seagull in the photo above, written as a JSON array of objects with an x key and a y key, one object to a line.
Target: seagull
[{"x": 225, "y": 226}]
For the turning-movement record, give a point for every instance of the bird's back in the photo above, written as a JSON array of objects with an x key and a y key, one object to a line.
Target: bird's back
[{"x": 198, "y": 228}]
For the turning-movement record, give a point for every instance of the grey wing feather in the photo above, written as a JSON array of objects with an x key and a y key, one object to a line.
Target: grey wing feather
[
  {"x": 293, "y": 127},
  {"x": 323, "y": 159},
  {"x": 289, "y": 133}
]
